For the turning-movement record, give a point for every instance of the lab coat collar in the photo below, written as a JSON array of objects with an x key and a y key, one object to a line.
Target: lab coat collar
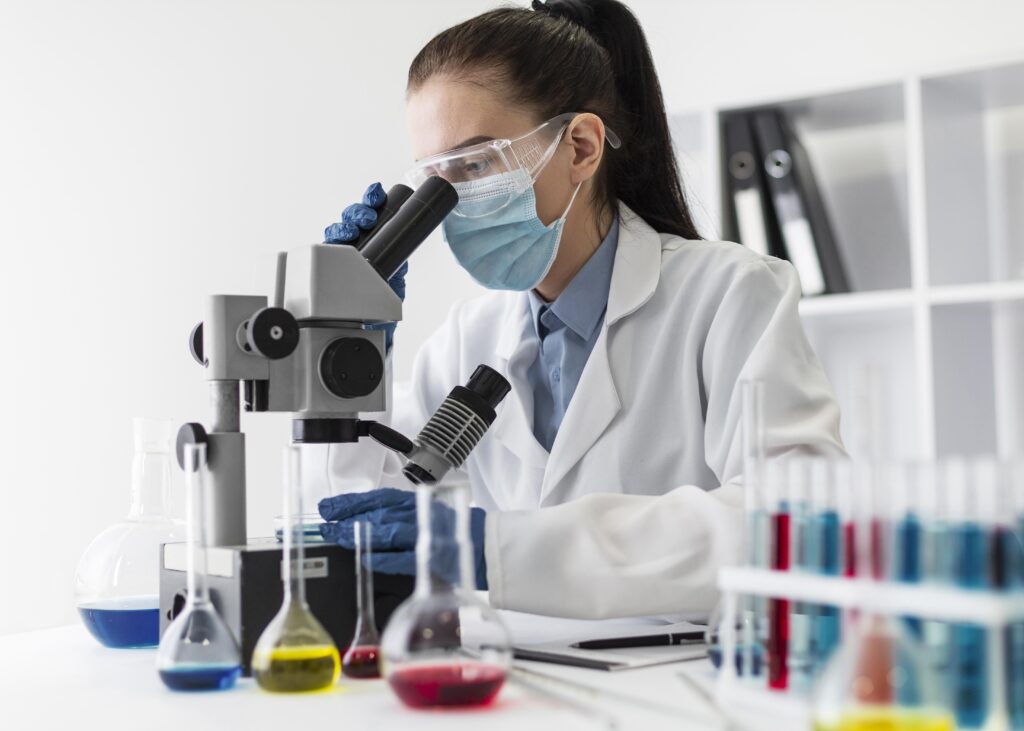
[{"x": 596, "y": 400}]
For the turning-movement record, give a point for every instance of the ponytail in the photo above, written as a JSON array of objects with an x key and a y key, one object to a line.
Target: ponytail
[{"x": 578, "y": 56}]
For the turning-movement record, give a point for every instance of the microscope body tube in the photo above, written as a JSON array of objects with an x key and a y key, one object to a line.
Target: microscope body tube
[
  {"x": 397, "y": 195},
  {"x": 226, "y": 458},
  {"x": 400, "y": 236}
]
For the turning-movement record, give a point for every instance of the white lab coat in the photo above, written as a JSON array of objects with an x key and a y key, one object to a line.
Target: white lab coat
[{"x": 626, "y": 515}]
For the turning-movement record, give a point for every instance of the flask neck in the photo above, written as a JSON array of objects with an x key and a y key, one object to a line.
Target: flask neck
[
  {"x": 444, "y": 555},
  {"x": 151, "y": 478},
  {"x": 366, "y": 624}
]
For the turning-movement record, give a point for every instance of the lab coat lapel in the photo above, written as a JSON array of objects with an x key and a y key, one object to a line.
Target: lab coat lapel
[
  {"x": 596, "y": 400},
  {"x": 514, "y": 429}
]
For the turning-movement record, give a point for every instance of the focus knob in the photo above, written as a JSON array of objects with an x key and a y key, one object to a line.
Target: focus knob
[{"x": 273, "y": 333}]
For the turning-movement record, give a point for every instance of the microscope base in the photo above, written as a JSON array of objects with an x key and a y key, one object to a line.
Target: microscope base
[{"x": 245, "y": 586}]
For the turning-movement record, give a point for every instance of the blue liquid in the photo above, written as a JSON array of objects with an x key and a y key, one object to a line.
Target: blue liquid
[
  {"x": 827, "y": 559},
  {"x": 123, "y": 628},
  {"x": 756, "y": 658},
  {"x": 201, "y": 677},
  {"x": 907, "y": 565},
  {"x": 970, "y": 667}
]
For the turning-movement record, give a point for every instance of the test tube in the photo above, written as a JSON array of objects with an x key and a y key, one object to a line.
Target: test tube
[
  {"x": 754, "y": 608},
  {"x": 906, "y": 535},
  {"x": 777, "y": 645},
  {"x": 799, "y": 656},
  {"x": 930, "y": 495},
  {"x": 970, "y": 538},
  {"x": 1012, "y": 495},
  {"x": 826, "y": 558}
]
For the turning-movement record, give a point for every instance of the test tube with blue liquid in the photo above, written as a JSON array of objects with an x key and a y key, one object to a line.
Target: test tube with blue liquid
[
  {"x": 970, "y": 540},
  {"x": 198, "y": 651},
  {"x": 826, "y": 557},
  {"x": 907, "y": 532},
  {"x": 1012, "y": 546}
]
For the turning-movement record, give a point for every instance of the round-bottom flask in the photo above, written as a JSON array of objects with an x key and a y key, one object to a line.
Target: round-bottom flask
[
  {"x": 443, "y": 646},
  {"x": 117, "y": 582},
  {"x": 198, "y": 651},
  {"x": 294, "y": 653}
]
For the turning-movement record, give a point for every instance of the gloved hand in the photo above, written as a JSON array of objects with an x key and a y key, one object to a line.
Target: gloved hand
[
  {"x": 392, "y": 513},
  {"x": 360, "y": 217}
]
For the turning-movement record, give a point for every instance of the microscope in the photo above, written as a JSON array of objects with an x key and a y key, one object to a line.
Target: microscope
[{"x": 311, "y": 353}]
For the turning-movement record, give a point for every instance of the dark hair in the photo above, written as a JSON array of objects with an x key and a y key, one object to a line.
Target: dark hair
[{"x": 578, "y": 56}]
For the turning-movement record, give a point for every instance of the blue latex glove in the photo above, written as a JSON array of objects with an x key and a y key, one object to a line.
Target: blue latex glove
[
  {"x": 360, "y": 217},
  {"x": 392, "y": 513}
]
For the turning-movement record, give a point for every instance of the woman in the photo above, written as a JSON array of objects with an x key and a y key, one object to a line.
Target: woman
[{"x": 611, "y": 477}]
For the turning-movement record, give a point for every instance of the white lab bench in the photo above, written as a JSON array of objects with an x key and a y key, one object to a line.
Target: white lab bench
[{"x": 62, "y": 679}]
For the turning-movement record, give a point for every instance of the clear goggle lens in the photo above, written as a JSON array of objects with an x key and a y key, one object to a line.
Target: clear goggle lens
[{"x": 490, "y": 175}]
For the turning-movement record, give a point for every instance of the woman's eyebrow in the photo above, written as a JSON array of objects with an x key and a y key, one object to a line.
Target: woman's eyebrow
[{"x": 471, "y": 141}]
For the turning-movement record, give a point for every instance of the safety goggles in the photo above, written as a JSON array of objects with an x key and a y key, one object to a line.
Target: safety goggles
[{"x": 490, "y": 175}]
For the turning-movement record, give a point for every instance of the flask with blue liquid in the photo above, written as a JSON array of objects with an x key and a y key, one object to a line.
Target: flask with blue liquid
[{"x": 117, "y": 583}]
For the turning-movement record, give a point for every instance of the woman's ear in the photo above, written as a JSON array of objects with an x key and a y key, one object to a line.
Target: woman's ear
[{"x": 586, "y": 136}]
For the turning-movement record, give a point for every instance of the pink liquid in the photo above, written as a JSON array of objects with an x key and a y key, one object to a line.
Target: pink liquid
[
  {"x": 778, "y": 609},
  {"x": 361, "y": 661},
  {"x": 466, "y": 684},
  {"x": 849, "y": 552}
]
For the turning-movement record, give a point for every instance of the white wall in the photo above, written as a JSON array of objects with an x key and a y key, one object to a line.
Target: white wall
[{"x": 154, "y": 152}]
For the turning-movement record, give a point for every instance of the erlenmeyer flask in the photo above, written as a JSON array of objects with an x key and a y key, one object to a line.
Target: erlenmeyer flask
[
  {"x": 443, "y": 646},
  {"x": 117, "y": 582},
  {"x": 198, "y": 651},
  {"x": 877, "y": 680},
  {"x": 294, "y": 653},
  {"x": 362, "y": 659}
]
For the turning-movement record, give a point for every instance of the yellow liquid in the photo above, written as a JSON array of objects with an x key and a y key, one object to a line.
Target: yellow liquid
[
  {"x": 890, "y": 719},
  {"x": 297, "y": 669}
]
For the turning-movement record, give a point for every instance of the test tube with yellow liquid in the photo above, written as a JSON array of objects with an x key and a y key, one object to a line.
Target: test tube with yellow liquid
[{"x": 295, "y": 654}]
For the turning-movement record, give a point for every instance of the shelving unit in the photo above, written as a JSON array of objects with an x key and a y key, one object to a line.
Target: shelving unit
[{"x": 923, "y": 178}]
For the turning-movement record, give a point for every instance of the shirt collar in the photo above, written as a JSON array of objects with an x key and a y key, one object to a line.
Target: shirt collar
[{"x": 582, "y": 304}]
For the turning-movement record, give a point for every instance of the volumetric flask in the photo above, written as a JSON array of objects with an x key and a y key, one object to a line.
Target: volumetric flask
[
  {"x": 294, "y": 653},
  {"x": 198, "y": 651},
  {"x": 443, "y": 646},
  {"x": 117, "y": 582},
  {"x": 362, "y": 659}
]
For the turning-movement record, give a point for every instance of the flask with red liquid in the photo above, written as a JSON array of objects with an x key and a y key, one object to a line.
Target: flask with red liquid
[{"x": 444, "y": 646}]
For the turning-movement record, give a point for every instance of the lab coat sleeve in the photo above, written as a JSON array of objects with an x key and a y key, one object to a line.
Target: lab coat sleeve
[
  {"x": 613, "y": 555},
  {"x": 366, "y": 464}
]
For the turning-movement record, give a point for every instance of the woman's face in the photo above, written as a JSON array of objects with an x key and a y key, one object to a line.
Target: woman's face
[{"x": 445, "y": 113}]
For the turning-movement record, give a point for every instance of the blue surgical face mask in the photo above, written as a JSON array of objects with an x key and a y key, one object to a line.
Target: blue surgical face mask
[{"x": 510, "y": 248}]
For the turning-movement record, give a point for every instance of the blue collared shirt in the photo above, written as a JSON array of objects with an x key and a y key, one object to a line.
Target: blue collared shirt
[{"x": 567, "y": 329}]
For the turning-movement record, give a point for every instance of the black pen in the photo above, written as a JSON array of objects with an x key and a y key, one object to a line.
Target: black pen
[{"x": 613, "y": 643}]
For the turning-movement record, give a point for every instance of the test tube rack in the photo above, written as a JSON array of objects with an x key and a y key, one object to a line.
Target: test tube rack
[{"x": 948, "y": 604}]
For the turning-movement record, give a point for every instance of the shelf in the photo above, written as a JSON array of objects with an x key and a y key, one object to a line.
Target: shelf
[
  {"x": 973, "y": 134},
  {"x": 968, "y": 293},
  {"x": 854, "y": 302},
  {"x": 977, "y": 349}
]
